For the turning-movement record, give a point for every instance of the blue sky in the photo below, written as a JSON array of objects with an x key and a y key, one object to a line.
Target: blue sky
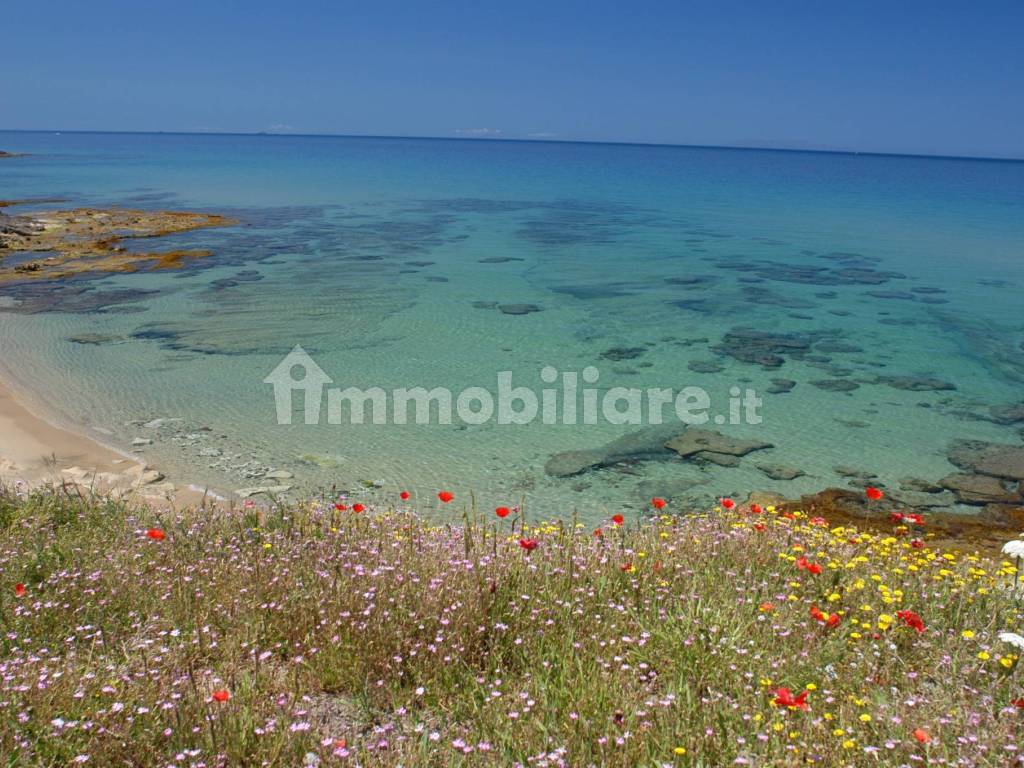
[{"x": 921, "y": 77}]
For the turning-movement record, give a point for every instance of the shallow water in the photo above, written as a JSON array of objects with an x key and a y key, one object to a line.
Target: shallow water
[{"x": 367, "y": 253}]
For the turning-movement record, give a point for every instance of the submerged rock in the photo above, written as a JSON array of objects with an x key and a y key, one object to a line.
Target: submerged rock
[
  {"x": 995, "y": 459},
  {"x": 721, "y": 459},
  {"x": 268, "y": 490},
  {"x": 917, "y": 383},
  {"x": 1008, "y": 414},
  {"x": 780, "y": 471},
  {"x": 979, "y": 489},
  {"x": 518, "y": 309},
  {"x": 844, "y": 470},
  {"x": 642, "y": 445},
  {"x": 699, "y": 441},
  {"x": 836, "y": 385},
  {"x": 705, "y": 366},
  {"x": 918, "y": 485},
  {"x": 623, "y": 353},
  {"x": 781, "y": 386},
  {"x": 96, "y": 339},
  {"x": 750, "y": 345}
]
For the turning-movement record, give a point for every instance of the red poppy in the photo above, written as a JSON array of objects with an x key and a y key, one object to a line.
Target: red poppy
[
  {"x": 1018, "y": 703},
  {"x": 341, "y": 507},
  {"x": 784, "y": 698},
  {"x": 921, "y": 735},
  {"x": 873, "y": 493},
  {"x": 503, "y": 512},
  {"x": 658, "y": 503},
  {"x": 917, "y": 544},
  {"x": 819, "y": 521},
  {"x": 156, "y": 534},
  {"x": 756, "y": 509},
  {"x": 728, "y": 503},
  {"x": 598, "y": 532},
  {"x": 789, "y": 515},
  {"x": 618, "y": 519},
  {"x": 358, "y": 508},
  {"x": 806, "y": 565},
  {"x": 766, "y": 607},
  {"x": 529, "y": 544},
  {"x": 759, "y": 527},
  {"x": 830, "y": 620},
  {"x": 896, "y": 517},
  {"x": 914, "y": 518},
  {"x": 221, "y": 695},
  {"x": 912, "y": 620},
  {"x": 19, "y": 590},
  {"x": 626, "y": 567},
  {"x": 445, "y": 496},
  {"x": 404, "y": 495}
]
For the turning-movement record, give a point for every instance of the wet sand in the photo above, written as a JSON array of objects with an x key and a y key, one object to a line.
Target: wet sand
[{"x": 35, "y": 452}]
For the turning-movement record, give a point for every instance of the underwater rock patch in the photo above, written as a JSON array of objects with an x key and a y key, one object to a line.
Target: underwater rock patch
[
  {"x": 705, "y": 366},
  {"x": 764, "y": 348},
  {"x": 586, "y": 292},
  {"x": 979, "y": 489},
  {"x": 623, "y": 353},
  {"x": 980, "y": 457},
  {"x": 917, "y": 383},
  {"x": 642, "y": 445},
  {"x": 780, "y": 471},
  {"x": 96, "y": 339},
  {"x": 835, "y": 385},
  {"x": 518, "y": 309},
  {"x": 694, "y": 441},
  {"x": 1007, "y": 415}
]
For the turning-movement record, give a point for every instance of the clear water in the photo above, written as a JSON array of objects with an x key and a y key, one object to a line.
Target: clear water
[{"x": 322, "y": 259}]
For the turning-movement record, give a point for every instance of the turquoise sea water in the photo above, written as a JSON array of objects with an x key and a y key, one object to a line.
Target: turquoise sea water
[{"x": 865, "y": 270}]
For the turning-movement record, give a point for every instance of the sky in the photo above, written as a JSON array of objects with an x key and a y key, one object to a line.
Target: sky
[{"x": 898, "y": 76}]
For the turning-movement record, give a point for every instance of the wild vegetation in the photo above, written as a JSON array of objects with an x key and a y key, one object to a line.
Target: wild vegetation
[{"x": 331, "y": 633}]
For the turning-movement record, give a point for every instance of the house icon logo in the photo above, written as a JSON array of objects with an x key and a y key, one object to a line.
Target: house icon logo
[{"x": 298, "y": 371}]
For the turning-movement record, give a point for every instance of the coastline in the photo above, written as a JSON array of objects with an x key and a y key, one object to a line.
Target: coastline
[{"x": 37, "y": 452}]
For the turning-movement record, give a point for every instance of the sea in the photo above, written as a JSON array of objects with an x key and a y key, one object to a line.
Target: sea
[{"x": 870, "y": 306}]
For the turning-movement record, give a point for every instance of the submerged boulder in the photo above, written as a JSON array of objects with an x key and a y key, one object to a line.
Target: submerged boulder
[
  {"x": 995, "y": 459},
  {"x": 980, "y": 489},
  {"x": 704, "y": 441},
  {"x": 642, "y": 445},
  {"x": 780, "y": 471}
]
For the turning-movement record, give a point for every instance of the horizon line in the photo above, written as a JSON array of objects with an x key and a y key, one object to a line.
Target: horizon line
[{"x": 598, "y": 142}]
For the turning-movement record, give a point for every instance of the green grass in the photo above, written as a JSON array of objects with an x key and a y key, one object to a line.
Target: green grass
[{"x": 379, "y": 639}]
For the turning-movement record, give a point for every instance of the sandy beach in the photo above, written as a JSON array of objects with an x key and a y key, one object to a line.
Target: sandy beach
[{"x": 35, "y": 452}]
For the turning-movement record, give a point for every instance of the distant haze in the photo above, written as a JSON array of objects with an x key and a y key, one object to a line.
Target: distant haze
[{"x": 911, "y": 77}]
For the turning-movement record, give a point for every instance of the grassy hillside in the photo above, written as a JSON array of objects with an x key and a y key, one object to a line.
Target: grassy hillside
[{"x": 316, "y": 635}]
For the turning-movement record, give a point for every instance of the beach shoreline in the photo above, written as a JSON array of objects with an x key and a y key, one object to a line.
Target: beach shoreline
[{"x": 35, "y": 451}]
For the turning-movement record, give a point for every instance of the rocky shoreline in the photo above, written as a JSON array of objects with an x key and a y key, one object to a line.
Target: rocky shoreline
[
  {"x": 980, "y": 500},
  {"x": 53, "y": 245}
]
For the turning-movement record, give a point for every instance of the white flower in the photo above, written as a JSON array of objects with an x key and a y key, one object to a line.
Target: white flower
[
  {"x": 1014, "y": 548},
  {"x": 1013, "y": 639}
]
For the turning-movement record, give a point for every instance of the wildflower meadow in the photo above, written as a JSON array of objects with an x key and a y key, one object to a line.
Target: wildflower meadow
[{"x": 351, "y": 633}]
